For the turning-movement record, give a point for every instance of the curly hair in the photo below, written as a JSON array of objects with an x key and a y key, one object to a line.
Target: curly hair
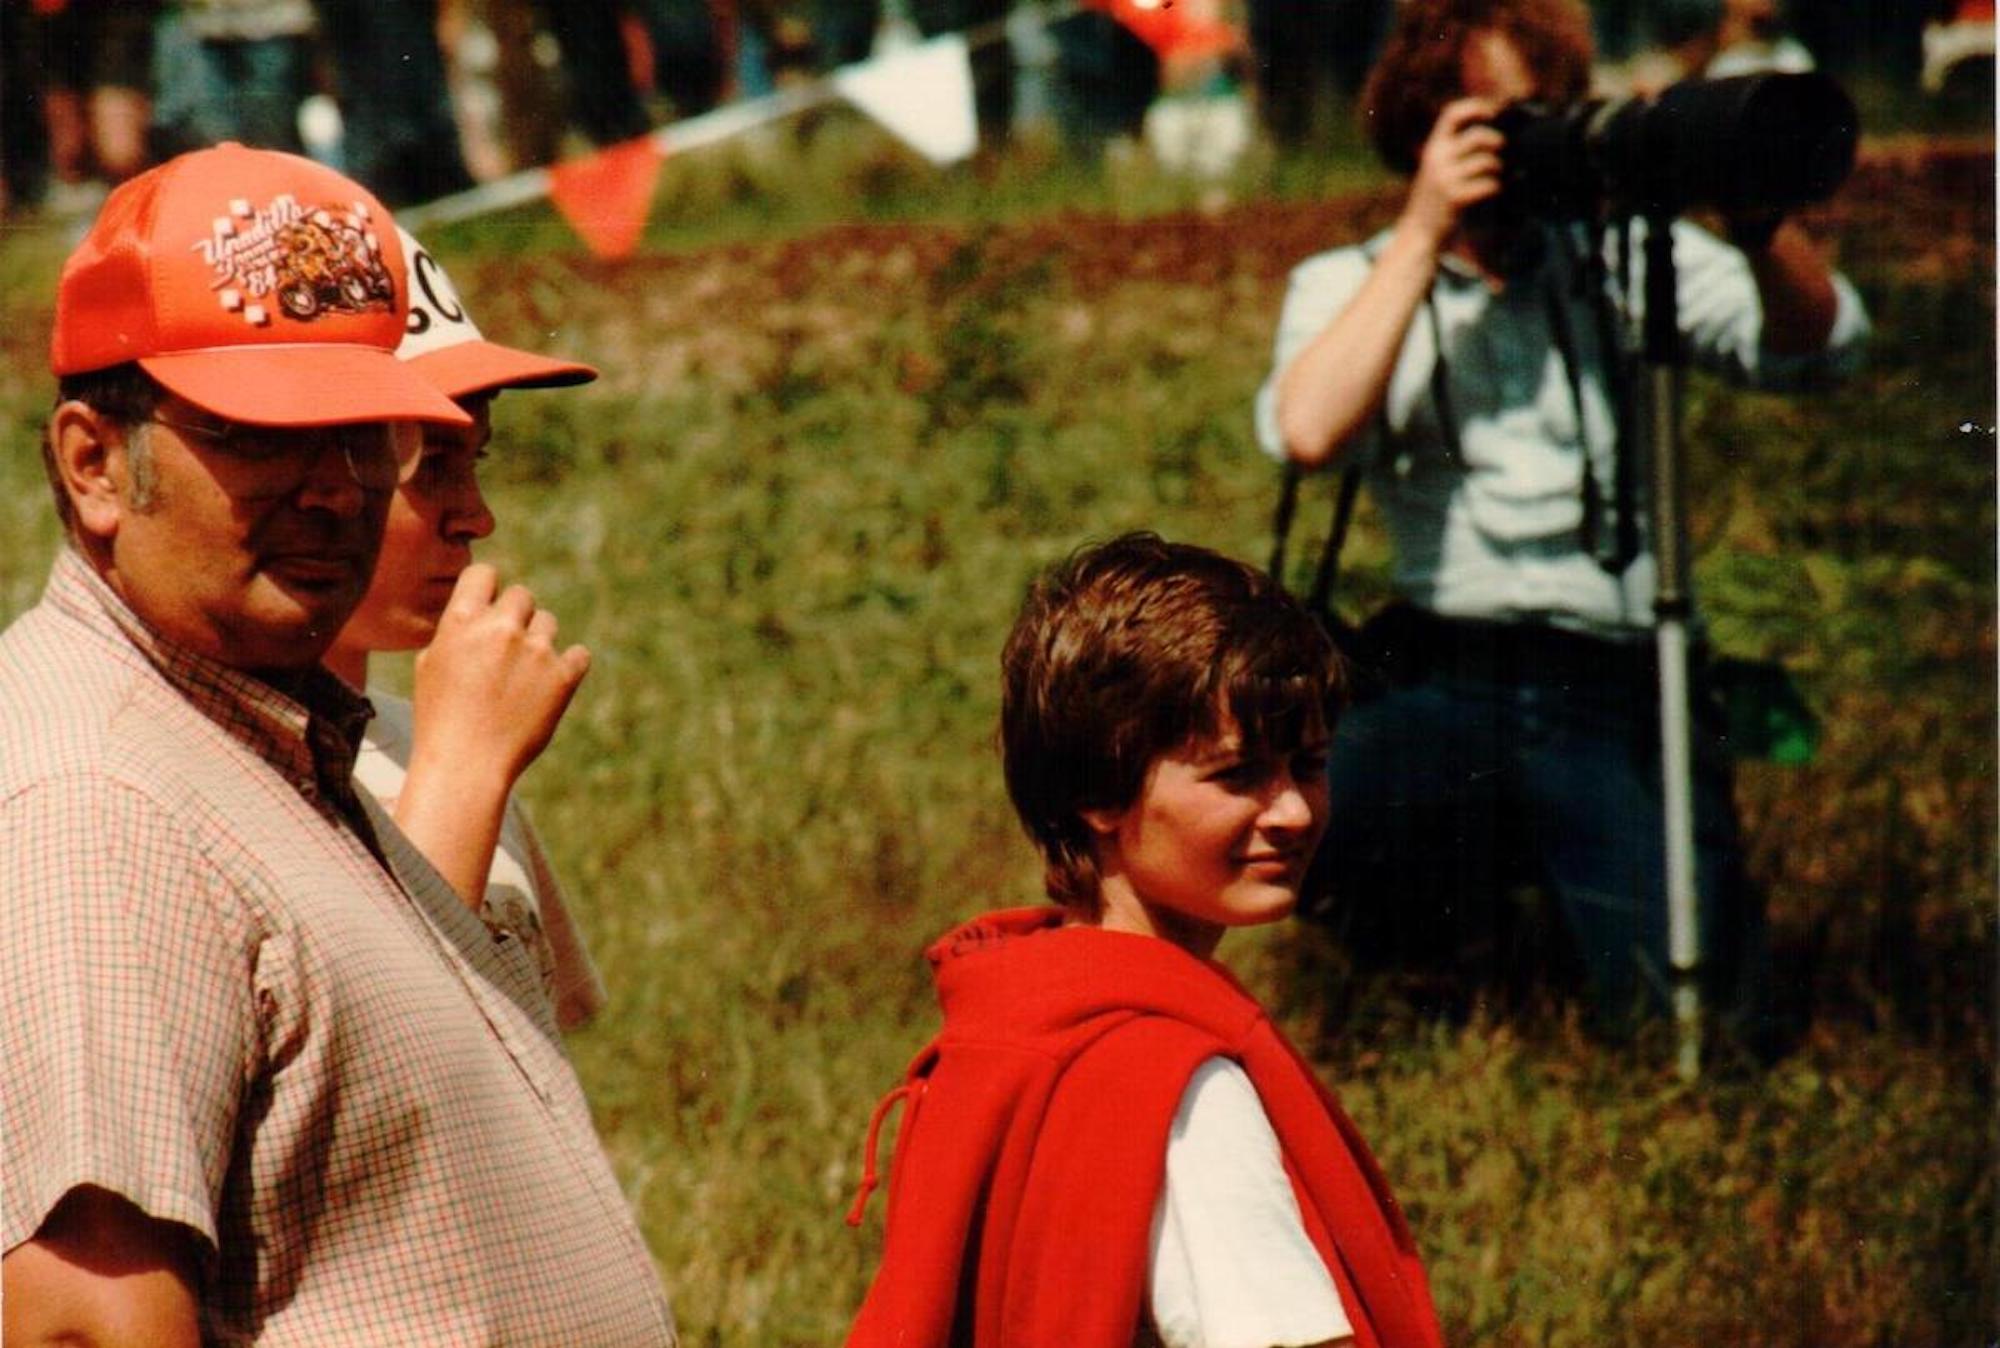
[
  {"x": 1126, "y": 652},
  {"x": 1420, "y": 67}
]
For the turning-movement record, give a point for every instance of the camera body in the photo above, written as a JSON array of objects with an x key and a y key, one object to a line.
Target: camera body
[{"x": 1749, "y": 144}]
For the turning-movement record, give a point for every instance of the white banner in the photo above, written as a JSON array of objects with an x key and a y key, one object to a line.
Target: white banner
[{"x": 920, "y": 94}]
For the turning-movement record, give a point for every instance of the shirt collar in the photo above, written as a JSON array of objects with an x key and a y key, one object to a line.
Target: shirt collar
[{"x": 311, "y": 733}]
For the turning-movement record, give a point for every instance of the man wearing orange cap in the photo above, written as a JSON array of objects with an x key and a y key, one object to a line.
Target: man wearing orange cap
[
  {"x": 265, "y": 1078},
  {"x": 491, "y": 683}
]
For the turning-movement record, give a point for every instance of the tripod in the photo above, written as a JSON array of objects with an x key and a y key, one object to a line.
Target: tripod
[{"x": 1660, "y": 444}]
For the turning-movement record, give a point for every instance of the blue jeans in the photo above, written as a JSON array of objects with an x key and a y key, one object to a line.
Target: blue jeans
[
  {"x": 1505, "y": 757},
  {"x": 207, "y": 92},
  {"x": 603, "y": 102},
  {"x": 400, "y": 137}
]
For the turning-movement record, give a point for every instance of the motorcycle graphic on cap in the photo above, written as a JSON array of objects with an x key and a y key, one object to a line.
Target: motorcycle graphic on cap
[{"x": 327, "y": 265}]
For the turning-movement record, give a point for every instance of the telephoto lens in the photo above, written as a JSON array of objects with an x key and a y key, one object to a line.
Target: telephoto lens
[{"x": 1750, "y": 143}]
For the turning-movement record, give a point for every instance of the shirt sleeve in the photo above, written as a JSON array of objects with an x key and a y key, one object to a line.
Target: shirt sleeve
[
  {"x": 1320, "y": 288},
  {"x": 128, "y": 1010},
  {"x": 1723, "y": 317},
  {"x": 1232, "y": 1266}
]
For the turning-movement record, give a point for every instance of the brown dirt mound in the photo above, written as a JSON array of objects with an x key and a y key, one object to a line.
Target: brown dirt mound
[{"x": 1917, "y": 199}]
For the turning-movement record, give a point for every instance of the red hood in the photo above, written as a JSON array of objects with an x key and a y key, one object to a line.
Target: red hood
[
  {"x": 1022, "y": 976},
  {"x": 1028, "y": 1162}
]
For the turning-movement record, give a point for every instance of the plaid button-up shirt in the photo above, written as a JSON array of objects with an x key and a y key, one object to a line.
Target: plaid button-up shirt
[{"x": 217, "y": 1002}]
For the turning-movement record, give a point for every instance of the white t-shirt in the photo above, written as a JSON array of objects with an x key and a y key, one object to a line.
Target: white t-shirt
[
  {"x": 1232, "y": 1266},
  {"x": 522, "y": 893}
]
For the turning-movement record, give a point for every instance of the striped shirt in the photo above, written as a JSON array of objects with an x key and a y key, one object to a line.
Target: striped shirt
[{"x": 217, "y": 1001}]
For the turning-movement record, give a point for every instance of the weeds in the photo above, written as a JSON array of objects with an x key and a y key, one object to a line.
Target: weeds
[{"x": 793, "y": 521}]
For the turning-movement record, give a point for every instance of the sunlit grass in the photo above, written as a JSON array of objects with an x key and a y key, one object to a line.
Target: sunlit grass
[{"x": 843, "y": 423}]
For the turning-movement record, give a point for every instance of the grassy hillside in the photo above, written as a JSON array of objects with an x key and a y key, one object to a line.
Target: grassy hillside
[{"x": 793, "y": 521}]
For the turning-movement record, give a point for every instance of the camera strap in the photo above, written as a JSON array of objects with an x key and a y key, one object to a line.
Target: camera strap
[
  {"x": 1593, "y": 494},
  {"x": 1624, "y": 546},
  {"x": 1319, "y": 598},
  {"x": 1617, "y": 359},
  {"x": 1440, "y": 385}
]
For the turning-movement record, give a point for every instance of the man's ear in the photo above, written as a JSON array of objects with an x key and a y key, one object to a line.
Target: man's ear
[{"x": 89, "y": 450}]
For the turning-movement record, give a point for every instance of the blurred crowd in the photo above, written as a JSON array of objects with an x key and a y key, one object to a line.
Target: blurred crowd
[
  {"x": 402, "y": 94},
  {"x": 420, "y": 98}
]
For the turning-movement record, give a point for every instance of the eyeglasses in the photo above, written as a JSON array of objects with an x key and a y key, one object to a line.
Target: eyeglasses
[{"x": 257, "y": 463}]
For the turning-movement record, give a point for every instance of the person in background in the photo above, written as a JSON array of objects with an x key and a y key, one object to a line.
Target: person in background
[
  {"x": 265, "y": 1078},
  {"x": 232, "y": 70},
  {"x": 1706, "y": 39},
  {"x": 1109, "y": 1143},
  {"x": 1720, "y": 38},
  {"x": 690, "y": 44},
  {"x": 491, "y": 683},
  {"x": 683, "y": 60},
  {"x": 24, "y": 131},
  {"x": 95, "y": 58},
  {"x": 399, "y": 133},
  {"x": 1469, "y": 360},
  {"x": 1103, "y": 81},
  {"x": 1311, "y": 56},
  {"x": 774, "y": 47},
  {"x": 843, "y": 31}
]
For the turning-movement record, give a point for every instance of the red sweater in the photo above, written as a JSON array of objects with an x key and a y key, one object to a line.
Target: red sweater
[{"x": 1033, "y": 1144}]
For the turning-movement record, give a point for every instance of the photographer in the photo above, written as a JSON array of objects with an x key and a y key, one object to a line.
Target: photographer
[{"x": 1469, "y": 359}]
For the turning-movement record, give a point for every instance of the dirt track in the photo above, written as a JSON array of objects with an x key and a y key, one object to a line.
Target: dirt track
[{"x": 1921, "y": 209}]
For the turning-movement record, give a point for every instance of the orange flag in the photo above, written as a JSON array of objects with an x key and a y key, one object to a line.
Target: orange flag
[{"x": 606, "y": 196}]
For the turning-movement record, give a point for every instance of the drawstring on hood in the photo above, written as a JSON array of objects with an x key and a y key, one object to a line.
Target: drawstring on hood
[{"x": 911, "y": 1090}]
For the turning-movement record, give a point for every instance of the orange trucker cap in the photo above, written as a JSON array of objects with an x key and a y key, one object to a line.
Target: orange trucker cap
[
  {"x": 445, "y": 346},
  {"x": 257, "y": 285}
]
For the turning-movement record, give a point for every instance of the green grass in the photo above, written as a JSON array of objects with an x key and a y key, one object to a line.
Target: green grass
[{"x": 847, "y": 413}]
